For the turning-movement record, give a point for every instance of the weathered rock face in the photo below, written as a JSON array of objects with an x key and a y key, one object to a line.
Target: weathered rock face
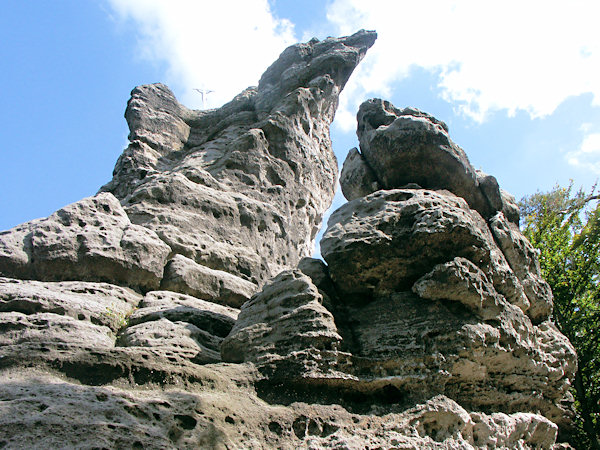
[
  {"x": 240, "y": 189},
  {"x": 287, "y": 328},
  {"x": 384, "y": 242},
  {"x": 185, "y": 276},
  {"x": 410, "y": 146},
  {"x": 92, "y": 239},
  {"x": 428, "y": 328},
  {"x": 227, "y": 415},
  {"x": 429, "y": 290},
  {"x": 357, "y": 178}
]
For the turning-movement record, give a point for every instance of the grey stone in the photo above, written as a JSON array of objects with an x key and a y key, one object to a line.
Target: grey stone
[
  {"x": 286, "y": 331},
  {"x": 461, "y": 281},
  {"x": 469, "y": 334},
  {"x": 523, "y": 260},
  {"x": 243, "y": 188},
  {"x": 409, "y": 146},
  {"x": 387, "y": 240},
  {"x": 50, "y": 329},
  {"x": 458, "y": 337},
  {"x": 182, "y": 338},
  {"x": 40, "y": 409},
  {"x": 90, "y": 240},
  {"x": 499, "y": 199},
  {"x": 179, "y": 324},
  {"x": 357, "y": 178},
  {"x": 428, "y": 328},
  {"x": 99, "y": 303},
  {"x": 185, "y": 276},
  {"x": 213, "y": 318},
  {"x": 510, "y": 208}
]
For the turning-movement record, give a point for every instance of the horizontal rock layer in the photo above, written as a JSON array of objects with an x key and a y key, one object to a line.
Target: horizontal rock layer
[
  {"x": 226, "y": 413},
  {"x": 91, "y": 240}
]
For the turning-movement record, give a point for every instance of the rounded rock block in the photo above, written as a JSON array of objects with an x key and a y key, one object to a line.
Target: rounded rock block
[{"x": 384, "y": 242}]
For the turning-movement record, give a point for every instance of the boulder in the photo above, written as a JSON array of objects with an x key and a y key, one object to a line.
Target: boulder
[
  {"x": 408, "y": 146},
  {"x": 453, "y": 335}
]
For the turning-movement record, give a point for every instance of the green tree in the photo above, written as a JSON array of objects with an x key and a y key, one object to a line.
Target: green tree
[{"x": 565, "y": 227}]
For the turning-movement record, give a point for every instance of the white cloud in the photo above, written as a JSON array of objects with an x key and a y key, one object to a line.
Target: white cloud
[
  {"x": 220, "y": 45},
  {"x": 510, "y": 55},
  {"x": 588, "y": 154}
]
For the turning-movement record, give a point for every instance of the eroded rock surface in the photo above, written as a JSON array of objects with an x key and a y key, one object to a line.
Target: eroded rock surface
[
  {"x": 427, "y": 328},
  {"x": 91, "y": 240},
  {"x": 185, "y": 276},
  {"x": 408, "y": 146},
  {"x": 357, "y": 179},
  {"x": 429, "y": 292},
  {"x": 227, "y": 414},
  {"x": 240, "y": 189},
  {"x": 287, "y": 329},
  {"x": 385, "y": 241}
]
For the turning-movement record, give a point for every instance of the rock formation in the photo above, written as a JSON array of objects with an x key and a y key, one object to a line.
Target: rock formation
[
  {"x": 428, "y": 327},
  {"x": 429, "y": 290}
]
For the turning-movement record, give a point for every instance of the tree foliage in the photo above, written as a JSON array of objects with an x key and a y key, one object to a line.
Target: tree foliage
[{"x": 565, "y": 227}]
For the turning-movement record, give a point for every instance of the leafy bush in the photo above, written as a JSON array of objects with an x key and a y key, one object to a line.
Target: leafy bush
[{"x": 565, "y": 227}]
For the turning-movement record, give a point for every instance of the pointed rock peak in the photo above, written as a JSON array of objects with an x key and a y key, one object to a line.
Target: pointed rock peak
[
  {"x": 326, "y": 65},
  {"x": 301, "y": 62}
]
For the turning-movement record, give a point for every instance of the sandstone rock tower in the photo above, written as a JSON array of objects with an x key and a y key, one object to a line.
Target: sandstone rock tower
[{"x": 428, "y": 327}]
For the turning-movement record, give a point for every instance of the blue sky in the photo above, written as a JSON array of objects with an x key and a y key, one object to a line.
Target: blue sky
[{"x": 517, "y": 82}]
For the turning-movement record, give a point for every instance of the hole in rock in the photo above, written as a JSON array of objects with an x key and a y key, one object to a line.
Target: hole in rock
[
  {"x": 329, "y": 428},
  {"x": 314, "y": 428},
  {"x": 276, "y": 428},
  {"x": 186, "y": 422},
  {"x": 299, "y": 427}
]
